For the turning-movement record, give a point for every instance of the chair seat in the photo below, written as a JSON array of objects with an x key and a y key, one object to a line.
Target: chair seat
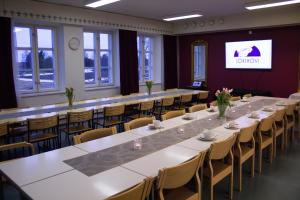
[
  {"x": 279, "y": 131},
  {"x": 113, "y": 122},
  {"x": 76, "y": 129},
  {"x": 136, "y": 116},
  {"x": 18, "y": 131},
  {"x": 42, "y": 137},
  {"x": 266, "y": 141},
  {"x": 290, "y": 124},
  {"x": 182, "y": 193},
  {"x": 247, "y": 152},
  {"x": 221, "y": 170}
]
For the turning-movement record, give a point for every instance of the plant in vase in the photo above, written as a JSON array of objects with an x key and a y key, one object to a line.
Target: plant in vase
[
  {"x": 223, "y": 100},
  {"x": 149, "y": 85},
  {"x": 69, "y": 92}
]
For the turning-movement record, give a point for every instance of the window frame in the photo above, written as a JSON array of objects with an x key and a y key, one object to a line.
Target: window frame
[
  {"x": 143, "y": 53},
  {"x": 97, "y": 51},
  {"x": 193, "y": 45},
  {"x": 35, "y": 58}
]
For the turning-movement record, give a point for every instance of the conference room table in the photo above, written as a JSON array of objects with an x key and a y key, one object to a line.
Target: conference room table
[
  {"x": 22, "y": 114},
  {"x": 104, "y": 167}
]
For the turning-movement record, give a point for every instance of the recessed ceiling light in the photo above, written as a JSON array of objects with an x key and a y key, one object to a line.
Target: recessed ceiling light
[
  {"x": 100, "y": 3},
  {"x": 182, "y": 17},
  {"x": 269, "y": 4}
]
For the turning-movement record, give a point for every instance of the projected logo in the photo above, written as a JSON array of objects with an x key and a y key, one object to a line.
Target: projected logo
[
  {"x": 248, "y": 52},
  {"x": 248, "y": 55}
]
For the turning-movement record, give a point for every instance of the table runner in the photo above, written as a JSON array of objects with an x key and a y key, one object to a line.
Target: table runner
[
  {"x": 103, "y": 160},
  {"x": 97, "y": 103}
]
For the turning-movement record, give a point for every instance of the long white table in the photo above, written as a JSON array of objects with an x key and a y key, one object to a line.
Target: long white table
[{"x": 46, "y": 176}]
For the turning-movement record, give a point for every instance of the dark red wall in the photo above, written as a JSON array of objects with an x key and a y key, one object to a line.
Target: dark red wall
[{"x": 282, "y": 80}]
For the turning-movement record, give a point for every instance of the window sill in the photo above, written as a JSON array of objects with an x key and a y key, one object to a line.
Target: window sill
[
  {"x": 101, "y": 88},
  {"x": 144, "y": 84},
  {"x": 24, "y": 95}
]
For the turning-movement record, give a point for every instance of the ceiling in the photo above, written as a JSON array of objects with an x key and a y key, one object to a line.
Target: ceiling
[{"x": 158, "y": 9}]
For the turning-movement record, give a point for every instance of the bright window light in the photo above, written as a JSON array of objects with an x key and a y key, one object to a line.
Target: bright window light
[
  {"x": 269, "y": 5},
  {"x": 182, "y": 17},
  {"x": 101, "y": 3}
]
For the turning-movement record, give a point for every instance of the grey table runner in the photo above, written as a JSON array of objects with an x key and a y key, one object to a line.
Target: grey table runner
[
  {"x": 75, "y": 106},
  {"x": 106, "y": 159}
]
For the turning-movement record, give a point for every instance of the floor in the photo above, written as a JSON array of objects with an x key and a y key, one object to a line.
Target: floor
[{"x": 279, "y": 181}]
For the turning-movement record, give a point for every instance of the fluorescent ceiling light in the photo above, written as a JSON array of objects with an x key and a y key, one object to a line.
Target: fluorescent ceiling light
[
  {"x": 274, "y": 4},
  {"x": 101, "y": 3},
  {"x": 182, "y": 17}
]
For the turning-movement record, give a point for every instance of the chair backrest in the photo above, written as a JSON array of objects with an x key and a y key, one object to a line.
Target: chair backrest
[
  {"x": 235, "y": 98},
  {"x": 83, "y": 116},
  {"x": 139, "y": 122},
  {"x": 3, "y": 129},
  {"x": 203, "y": 95},
  {"x": 114, "y": 110},
  {"x": 94, "y": 134},
  {"x": 246, "y": 133},
  {"x": 42, "y": 123},
  {"x": 279, "y": 115},
  {"x": 290, "y": 108},
  {"x": 198, "y": 107},
  {"x": 220, "y": 150},
  {"x": 17, "y": 146},
  {"x": 167, "y": 101},
  {"x": 213, "y": 103},
  {"x": 172, "y": 114},
  {"x": 146, "y": 105},
  {"x": 247, "y": 95},
  {"x": 140, "y": 191},
  {"x": 175, "y": 177},
  {"x": 266, "y": 124},
  {"x": 186, "y": 98}
]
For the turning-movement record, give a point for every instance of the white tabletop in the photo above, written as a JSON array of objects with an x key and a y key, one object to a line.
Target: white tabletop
[
  {"x": 74, "y": 185},
  {"x": 37, "y": 167},
  {"x": 171, "y": 156}
]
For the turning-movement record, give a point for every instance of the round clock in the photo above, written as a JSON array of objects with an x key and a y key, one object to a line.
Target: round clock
[{"x": 74, "y": 43}]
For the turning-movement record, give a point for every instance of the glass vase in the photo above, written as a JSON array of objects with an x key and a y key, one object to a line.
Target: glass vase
[{"x": 222, "y": 109}]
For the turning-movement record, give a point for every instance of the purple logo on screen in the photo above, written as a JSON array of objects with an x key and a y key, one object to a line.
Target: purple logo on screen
[{"x": 248, "y": 52}]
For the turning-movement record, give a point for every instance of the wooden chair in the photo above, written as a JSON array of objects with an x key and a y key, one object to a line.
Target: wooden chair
[
  {"x": 279, "y": 130},
  {"x": 247, "y": 95},
  {"x": 113, "y": 116},
  {"x": 235, "y": 98},
  {"x": 3, "y": 133},
  {"x": 145, "y": 109},
  {"x": 197, "y": 107},
  {"x": 44, "y": 130},
  {"x": 136, "y": 123},
  {"x": 289, "y": 123},
  {"x": 220, "y": 164},
  {"x": 138, "y": 192},
  {"x": 78, "y": 122},
  {"x": 172, "y": 182},
  {"x": 245, "y": 150},
  {"x": 184, "y": 101},
  {"x": 166, "y": 104},
  {"x": 94, "y": 134},
  {"x": 213, "y": 103},
  {"x": 172, "y": 114},
  {"x": 264, "y": 138},
  {"x": 18, "y": 145},
  {"x": 202, "y": 97}
]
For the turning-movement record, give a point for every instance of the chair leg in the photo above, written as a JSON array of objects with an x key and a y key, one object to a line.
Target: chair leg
[
  {"x": 253, "y": 165},
  {"x": 259, "y": 160},
  {"x": 240, "y": 169},
  {"x": 282, "y": 141},
  {"x": 211, "y": 190},
  {"x": 231, "y": 185},
  {"x": 274, "y": 146},
  {"x": 271, "y": 153}
]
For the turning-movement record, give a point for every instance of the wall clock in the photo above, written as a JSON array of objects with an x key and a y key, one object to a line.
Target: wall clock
[{"x": 74, "y": 43}]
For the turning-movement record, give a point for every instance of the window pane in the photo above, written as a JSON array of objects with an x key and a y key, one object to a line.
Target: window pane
[
  {"x": 47, "y": 69},
  {"x": 138, "y": 43},
  {"x": 89, "y": 67},
  {"x": 199, "y": 62},
  {"x": 106, "y": 70},
  {"x": 88, "y": 40},
  {"x": 45, "y": 38},
  {"x": 23, "y": 37},
  {"x": 148, "y": 66},
  {"x": 140, "y": 66},
  {"x": 25, "y": 72},
  {"x": 104, "y": 41},
  {"x": 147, "y": 44}
]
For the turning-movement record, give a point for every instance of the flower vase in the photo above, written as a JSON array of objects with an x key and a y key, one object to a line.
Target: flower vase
[
  {"x": 70, "y": 102},
  {"x": 222, "y": 109},
  {"x": 149, "y": 91}
]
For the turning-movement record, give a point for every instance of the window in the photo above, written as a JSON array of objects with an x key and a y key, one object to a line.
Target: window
[
  {"x": 145, "y": 58},
  {"x": 35, "y": 59},
  {"x": 199, "y": 61},
  {"x": 97, "y": 59}
]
